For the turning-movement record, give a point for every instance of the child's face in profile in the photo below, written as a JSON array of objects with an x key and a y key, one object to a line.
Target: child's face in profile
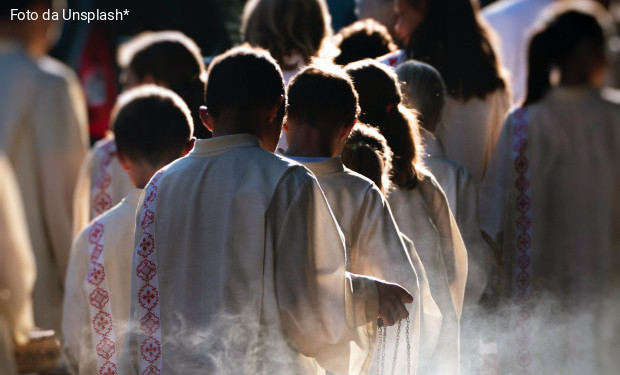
[{"x": 408, "y": 18}]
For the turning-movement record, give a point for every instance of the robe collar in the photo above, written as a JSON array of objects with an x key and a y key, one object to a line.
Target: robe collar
[
  {"x": 133, "y": 197},
  {"x": 433, "y": 147},
  {"x": 329, "y": 166},
  {"x": 224, "y": 143}
]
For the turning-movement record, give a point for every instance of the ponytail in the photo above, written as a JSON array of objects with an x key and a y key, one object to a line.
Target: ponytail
[{"x": 554, "y": 45}]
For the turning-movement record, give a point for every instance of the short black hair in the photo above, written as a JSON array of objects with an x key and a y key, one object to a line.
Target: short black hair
[
  {"x": 322, "y": 94},
  {"x": 243, "y": 78},
  {"x": 363, "y": 39},
  {"x": 151, "y": 123},
  {"x": 173, "y": 59}
]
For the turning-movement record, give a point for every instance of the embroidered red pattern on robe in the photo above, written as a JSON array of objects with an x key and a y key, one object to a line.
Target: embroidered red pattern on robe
[
  {"x": 102, "y": 192},
  {"x": 102, "y": 329},
  {"x": 147, "y": 286},
  {"x": 523, "y": 233}
]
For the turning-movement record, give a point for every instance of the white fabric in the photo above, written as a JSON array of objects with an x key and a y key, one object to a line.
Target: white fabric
[
  {"x": 462, "y": 194},
  {"x": 43, "y": 131},
  {"x": 101, "y": 184},
  {"x": 373, "y": 243},
  {"x": 17, "y": 270},
  {"x": 118, "y": 226},
  {"x": 513, "y": 20},
  {"x": 469, "y": 130},
  {"x": 394, "y": 59},
  {"x": 551, "y": 201},
  {"x": 423, "y": 215},
  {"x": 249, "y": 268}
]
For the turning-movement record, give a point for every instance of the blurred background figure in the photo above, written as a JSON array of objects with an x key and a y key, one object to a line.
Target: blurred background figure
[
  {"x": 512, "y": 20},
  {"x": 43, "y": 131},
  {"x": 551, "y": 200},
  {"x": 381, "y": 11},
  {"x": 363, "y": 39},
  {"x": 448, "y": 35}
]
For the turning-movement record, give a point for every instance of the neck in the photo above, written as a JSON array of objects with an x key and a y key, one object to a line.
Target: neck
[
  {"x": 235, "y": 122},
  {"x": 307, "y": 141}
]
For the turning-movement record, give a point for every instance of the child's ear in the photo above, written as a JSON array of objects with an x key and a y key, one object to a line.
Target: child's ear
[
  {"x": 276, "y": 109},
  {"x": 347, "y": 129},
  {"x": 203, "y": 113},
  {"x": 123, "y": 161}
]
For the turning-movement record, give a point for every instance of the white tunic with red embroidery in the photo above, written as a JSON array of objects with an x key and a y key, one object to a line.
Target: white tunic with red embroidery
[
  {"x": 239, "y": 267},
  {"x": 551, "y": 200},
  {"x": 96, "y": 305},
  {"x": 101, "y": 184},
  {"x": 423, "y": 214}
]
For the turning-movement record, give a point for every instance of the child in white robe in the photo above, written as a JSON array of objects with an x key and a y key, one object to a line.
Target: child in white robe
[
  {"x": 425, "y": 93},
  {"x": 152, "y": 127},
  {"x": 321, "y": 111},
  {"x": 146, "y": 59},
  {"x": 551, "y": 201},
  {"x": 250, "y": 278},
  {"x": 366, "y": 152},
  {"x": 17, "y": 271},
  {"x": 43, "y": 132},
  {"x": 418, "y": 204}
]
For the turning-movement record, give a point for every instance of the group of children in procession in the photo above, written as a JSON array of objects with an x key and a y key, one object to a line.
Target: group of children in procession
[{"x": 279, "y": 213}]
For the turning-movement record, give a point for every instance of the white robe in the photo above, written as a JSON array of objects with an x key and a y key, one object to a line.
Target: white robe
[
  {"x": 551, "y": 201},
  {"x": 101, "y": 184},
  {"x": 462, "y": 195},
  {"x": 80, "y": 339},
  {"x": 248, "y": 266},
  {"x": 469, "y": 130},
  {"x": 43, "y": 131},
  {"x": 513, "y": 20},
  {"x": 373, "y": 243},
  {"x": 423, "y": 215},
  {"x": 17, "y": 271}
]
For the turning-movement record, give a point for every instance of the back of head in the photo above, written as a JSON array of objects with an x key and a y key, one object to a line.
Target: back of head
[
  {"x": 452, "y": 39},
  {"x": 287, "y": 27},
  {"x": 322, "y": 95},
  {"x": 172, "y": 60},
  {"x": 367, "y": 153},
  {"x": 423, "y": 90},
  {"x": 380, "y": 102},
  {"x": 151, "y": 124},
  {"x": 567, "y": 31},
  {"x": 243, "y": 79},
  {"x": 363, "y": 39}
]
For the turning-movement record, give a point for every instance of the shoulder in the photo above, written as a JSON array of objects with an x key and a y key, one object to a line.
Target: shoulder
[
  {"x": 611, "y": 97},
  {"x": 54, "y": 71}
]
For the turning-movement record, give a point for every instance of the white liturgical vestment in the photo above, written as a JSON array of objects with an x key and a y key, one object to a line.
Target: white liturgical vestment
[
  {"x": 551, "y": 201},
  {"x": 424, "y": 216},
  {"x": 239, "y": 268},
  {"x": 17, "y": 271},
  {"x": 374, "y": 244},
  {"x": 43, "y": 131},
  {"x": 101, "y": 184},
  {"x": 462, "y": 195},
  {"x": 469, "y": 129},
  {"x": 97, "y": 289}
]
